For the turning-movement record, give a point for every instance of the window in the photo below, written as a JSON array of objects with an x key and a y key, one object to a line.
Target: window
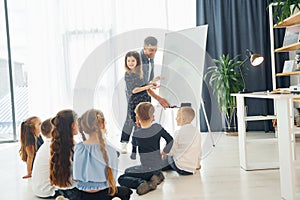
[{"x": 50, "y": 40}]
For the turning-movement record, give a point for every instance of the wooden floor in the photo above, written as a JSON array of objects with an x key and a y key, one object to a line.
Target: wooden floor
[{"x": 220, "y": 177}]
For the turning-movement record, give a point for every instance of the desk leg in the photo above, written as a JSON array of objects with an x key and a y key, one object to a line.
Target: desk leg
[
  {"x": 287, "y": 178},
  {"x": 242, "y": 131}
]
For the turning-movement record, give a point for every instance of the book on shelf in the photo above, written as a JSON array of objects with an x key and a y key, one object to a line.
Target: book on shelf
[
  {"x": 291, "y": 35},
  {"x": 281, "y": 91},
  {"x": 289, "y": 66}
]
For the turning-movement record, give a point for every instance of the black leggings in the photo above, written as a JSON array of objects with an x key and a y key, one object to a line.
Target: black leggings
[
  {"x": 122, "y": 192},
  {"x": 71, "y": 194}
]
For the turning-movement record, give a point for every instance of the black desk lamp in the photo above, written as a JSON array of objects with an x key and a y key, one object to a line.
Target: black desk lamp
[{"x": 255, "y": 60}]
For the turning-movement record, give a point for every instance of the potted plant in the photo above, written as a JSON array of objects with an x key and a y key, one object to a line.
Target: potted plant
[
  {"x": 225, "y": 79},
  {"x": 284, "y": 9}
]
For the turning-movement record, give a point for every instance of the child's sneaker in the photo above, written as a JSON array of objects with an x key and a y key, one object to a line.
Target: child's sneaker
[
  {"x": 157, "y": 178},
  {"x": 124, "y": 147},
  {"x": 161, "y": 177},
  {"x": 61, "y": 198},
  {"x": 146, "y": 187},
  {"x": 133, "y": 156}
]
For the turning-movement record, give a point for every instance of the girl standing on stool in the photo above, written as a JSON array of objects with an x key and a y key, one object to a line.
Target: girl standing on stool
[
  {"x": 136, "y": 92},
  {"x": 31, "y": 140}
]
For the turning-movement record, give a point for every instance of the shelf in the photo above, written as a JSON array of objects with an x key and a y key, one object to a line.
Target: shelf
[
  {"x": 296, "y": 100},
  {"x": 290, "y": 21},
  {"x": 291, "y": 47},
  {"x": 263, "y": 140},
  {"x": 260, "y": 117},
  {"x": 288, "y": 73},
  {"x": 257, "y": 166},
  {"x": 296, "y": 130}
]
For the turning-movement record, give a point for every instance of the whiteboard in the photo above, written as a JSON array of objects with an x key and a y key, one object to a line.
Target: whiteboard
[{"x": 182, "y": 66}]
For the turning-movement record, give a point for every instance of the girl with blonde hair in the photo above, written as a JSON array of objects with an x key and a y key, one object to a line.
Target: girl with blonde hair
[{"x": 95, "y": 162}]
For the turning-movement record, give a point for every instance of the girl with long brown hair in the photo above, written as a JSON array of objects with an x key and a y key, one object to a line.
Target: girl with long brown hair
[
  {"x": 30, "y": 141},
  {"x": 95, "y": 162},
  {"x": 61, "y": 153},
  {"x": 136, "y": 92}
]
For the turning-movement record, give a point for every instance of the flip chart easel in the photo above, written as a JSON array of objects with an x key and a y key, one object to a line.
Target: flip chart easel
[{"x": 182, "y": 71}]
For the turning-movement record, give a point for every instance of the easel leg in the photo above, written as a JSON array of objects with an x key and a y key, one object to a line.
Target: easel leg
[
  {"x": 160, "y": 115},
  {"x": 207, "y": 124}
]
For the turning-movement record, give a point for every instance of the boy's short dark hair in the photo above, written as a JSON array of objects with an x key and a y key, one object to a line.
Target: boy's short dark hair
[
  {"x": 150, "y": 41},
  {"x": 144, "y": 110},
  {"x": 46, "y": 127}
]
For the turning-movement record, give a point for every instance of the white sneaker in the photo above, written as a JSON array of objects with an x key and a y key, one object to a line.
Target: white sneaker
[
  {"x": 124, "y": 147},
  {"x": 61, "y": 198}
]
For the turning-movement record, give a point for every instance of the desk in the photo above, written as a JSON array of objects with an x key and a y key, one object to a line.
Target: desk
[{"x": 285, "y": 125}]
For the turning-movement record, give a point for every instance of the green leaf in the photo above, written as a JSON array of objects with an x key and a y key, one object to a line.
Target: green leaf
[
  {"x": 225, "y": 78},
  {"x": 284, "y": 9}
]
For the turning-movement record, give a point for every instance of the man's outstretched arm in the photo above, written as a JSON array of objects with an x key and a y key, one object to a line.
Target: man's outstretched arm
[{"x": 163, "y": 102}]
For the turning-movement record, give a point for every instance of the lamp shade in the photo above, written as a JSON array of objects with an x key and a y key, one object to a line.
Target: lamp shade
[{"x": 256, "y": 59}]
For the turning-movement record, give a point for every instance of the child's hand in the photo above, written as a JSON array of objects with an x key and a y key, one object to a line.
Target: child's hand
[
  {"x": 163, "y": 155},
  {"x": 27, "y": 176},
  {"x": 149, "y": 86},
  {"x": 157, "y": 78},
  {"x": 154, "y": 86}
]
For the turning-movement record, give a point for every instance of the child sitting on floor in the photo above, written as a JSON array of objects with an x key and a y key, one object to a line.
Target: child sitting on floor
[
  {"x": 147, "y": 176},
  {"x": 185, "y": 154},
  {"x": 30, "y": 141},
  {"x": 96, "y": 162},
  {"x": 41, "y": 169}
]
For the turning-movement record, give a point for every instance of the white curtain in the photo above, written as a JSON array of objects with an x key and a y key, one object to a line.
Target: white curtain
[
  {"x": 47, "y": 76},
  {"x": 62, "y": 34}
]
